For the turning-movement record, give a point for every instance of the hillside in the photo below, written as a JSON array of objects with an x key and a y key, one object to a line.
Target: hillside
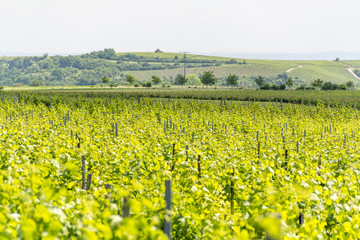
[{"x": 87, "y": 69}]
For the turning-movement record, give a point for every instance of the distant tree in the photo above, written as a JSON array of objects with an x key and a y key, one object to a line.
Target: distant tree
[
  {"x": 337, "y": 59},
  {"x": 156, "y": 79},
  {"x": 349, "y": 84},
  {"x": 265, "y": 86},
  {"x": 105, "y": 79},
  {"x": 289, "y": 82},
  {"x": 176, "y": 57},
  {"x": 57, "y": 73},
  {"x": 180, "y": 79},
  {"x": 259, "y": 81},
  {"x": 130, "y": 78},
  {"x": 193, "y": 80},
  {"x": 208, "y": 78},
  {"x": 327, "y": 86},
  {"x": 282, "y": 87},
  {"x": 231, "y": 80},
  {"x": 35, "y": 83},
  {"x": 283, "y": 76},
  {"x": 317, "y": 83}
]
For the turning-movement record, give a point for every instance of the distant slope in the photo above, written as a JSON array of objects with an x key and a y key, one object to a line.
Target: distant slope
[
  {"x": 88, "y": 69},
  {"x": 332, "y": 71}
]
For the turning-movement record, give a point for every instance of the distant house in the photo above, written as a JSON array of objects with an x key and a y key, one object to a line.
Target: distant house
[{"x": 158, "y": 51}]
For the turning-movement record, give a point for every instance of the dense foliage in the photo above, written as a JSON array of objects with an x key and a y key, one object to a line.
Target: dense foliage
[{"x": 279, "y": 161}]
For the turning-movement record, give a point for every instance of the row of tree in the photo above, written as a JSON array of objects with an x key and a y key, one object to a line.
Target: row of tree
[{"x": 206, "y": 78}]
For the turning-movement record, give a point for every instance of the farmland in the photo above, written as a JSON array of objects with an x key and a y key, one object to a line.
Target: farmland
[
  {"x": 312, "y": 97},
  {"x": 88, "y": 69},
  {"x": 237, "y": 170}
]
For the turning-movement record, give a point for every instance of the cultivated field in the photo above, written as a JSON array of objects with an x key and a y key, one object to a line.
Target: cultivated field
[{"x": 93, "y": 165}]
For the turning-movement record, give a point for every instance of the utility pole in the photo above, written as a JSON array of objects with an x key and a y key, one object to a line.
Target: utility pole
[{"x": 185, "y": 62}]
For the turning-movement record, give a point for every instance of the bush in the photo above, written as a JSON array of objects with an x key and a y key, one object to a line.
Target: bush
[
  {"x": 265, "y": 86},
  {"x": 136, "y": 85},
  {"x": 148, "y": 84},
  {"x": 302, "y": 87},
  {"x": 282, "y": 87},
  {"x": 274, "y": 87}
]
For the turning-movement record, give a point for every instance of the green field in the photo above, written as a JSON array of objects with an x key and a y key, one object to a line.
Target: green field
[
  {"x": 332, "y": 71},
  {"x": 95, "y": 164},
  {"x": 312, "y": 97},
  {"x": 252, "y": 68}
]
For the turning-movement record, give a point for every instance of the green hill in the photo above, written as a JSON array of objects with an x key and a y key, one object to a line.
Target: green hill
[{"x": 87, "y": 69}]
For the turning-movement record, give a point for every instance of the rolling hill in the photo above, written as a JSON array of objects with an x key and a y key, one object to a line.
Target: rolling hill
[{"x": 87, "y": 69}]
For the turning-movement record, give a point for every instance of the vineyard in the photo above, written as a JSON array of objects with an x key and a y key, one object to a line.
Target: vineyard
[
  {"x": 93, "y": 165},
  {"x": 329, "y": 71},
  {"x": 266, "y": 69},
  {"x": 335, "y": 72}
]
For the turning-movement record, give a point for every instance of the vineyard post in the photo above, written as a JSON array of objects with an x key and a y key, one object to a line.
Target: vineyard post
[
  {"x": 116, "y": 130},
  {"x": 199, "y": 167},
  {"x": 173, "y": 153},
  {"x": 187, "y": 153},
  {"x": 83, "y": 171},
  {"x": 297, "y": 147},
  {"x": 108, "y": 195},
  {"x": 301, "y": 219},
  {"x": 126, "y": 207},
  {"x": 88, "y": 181},
  {"x": 232, "y": 191},
  {"x": 168, "y": 199}
]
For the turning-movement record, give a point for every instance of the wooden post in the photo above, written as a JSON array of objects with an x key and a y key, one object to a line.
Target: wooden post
[
  {"x": 83, "y": 171},
  {"x": 88, "y": 181},
  {"x": 297, "y": 147},
  {"x": 199, "y": 167},
  {"x": 301, "y": 219},
  {"x": 187, "y": 153},
  {"x": 168, "y": 199},
  {"x": 108, "y": 196},
  {"x": 232, "y": 192},
  {"x": 126, "y": 207},
  {"x": 258, "y": 150}
]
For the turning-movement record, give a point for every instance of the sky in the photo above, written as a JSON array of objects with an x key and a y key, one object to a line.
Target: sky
[{"x": 196, "y": 26}]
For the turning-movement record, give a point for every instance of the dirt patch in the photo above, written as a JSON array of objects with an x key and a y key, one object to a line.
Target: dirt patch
[{"x": 289, "y": 70}]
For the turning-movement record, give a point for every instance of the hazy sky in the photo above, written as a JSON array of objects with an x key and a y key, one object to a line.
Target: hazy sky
[{"x": 198, "y": 26}]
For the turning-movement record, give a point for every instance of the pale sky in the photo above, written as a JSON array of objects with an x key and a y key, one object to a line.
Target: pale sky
[{"x": 197, "y": 26}]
